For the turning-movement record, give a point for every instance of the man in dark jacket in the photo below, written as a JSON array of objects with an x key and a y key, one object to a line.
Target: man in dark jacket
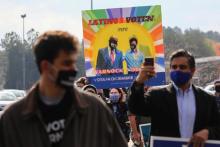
[
  {"x": 179, "y": 109},
  {"x": 54, "y": 114},
  {"x": 217, "y": 93}
]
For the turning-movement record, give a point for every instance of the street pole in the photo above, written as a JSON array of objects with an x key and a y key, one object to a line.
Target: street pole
[
  {"x": 91, "y": 4},
  {"x": 23, "y": 61}
]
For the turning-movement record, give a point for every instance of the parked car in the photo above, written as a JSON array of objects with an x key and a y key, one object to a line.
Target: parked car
[
  {"x": 210, "y": 89},
  {"x": 6, "y": 98},
  {"x": 18, "y": 93}
]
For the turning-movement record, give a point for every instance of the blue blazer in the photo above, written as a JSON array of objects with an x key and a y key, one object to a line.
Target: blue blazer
[{"x": 104, "y": 60}]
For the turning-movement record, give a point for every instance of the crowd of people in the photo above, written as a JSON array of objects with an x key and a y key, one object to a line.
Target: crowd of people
[
  {"x": 54, "y": 113},
  {"x": 116, "y": 100}
]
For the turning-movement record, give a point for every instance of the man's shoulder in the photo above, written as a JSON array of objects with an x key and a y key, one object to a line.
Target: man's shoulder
[
  {"x": 203, "y": 93},
  {"x": 118, "y": 51},
  {"x": 140, "y": 53},
  {"x": 14, "y": 110},
  {"x": 128, "y": 52},
  {"x": 103, "y": 49}
]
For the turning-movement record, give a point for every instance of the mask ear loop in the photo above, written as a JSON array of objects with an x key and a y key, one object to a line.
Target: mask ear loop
[{"x": 51, "y": 77}]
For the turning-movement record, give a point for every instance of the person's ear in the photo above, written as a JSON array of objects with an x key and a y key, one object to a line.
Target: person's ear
[
  {"x": 192, "y": 72},
  {"x": 45, "y": 66}
]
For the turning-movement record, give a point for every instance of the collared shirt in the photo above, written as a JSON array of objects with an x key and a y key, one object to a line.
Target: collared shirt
[
  {"x": 186, "y": 110},
  {"x": 109, "y": 52},
  {"x": 134, "y": 59}
]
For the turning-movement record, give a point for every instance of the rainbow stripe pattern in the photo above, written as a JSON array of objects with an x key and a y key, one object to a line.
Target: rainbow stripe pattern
[{"x": 145, "y": 22}]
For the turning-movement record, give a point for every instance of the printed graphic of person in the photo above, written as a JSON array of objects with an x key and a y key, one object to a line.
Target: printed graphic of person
[
  {"x": 134, "y": 57},
  {"x": 109, "y": 59}
]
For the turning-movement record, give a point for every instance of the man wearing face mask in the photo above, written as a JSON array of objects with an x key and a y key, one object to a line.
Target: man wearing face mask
[
  {"x": 217, "y": 93},
  {"x": 110, "y": 59},
  {"x": 133, "y": 57},
  {"x": 54, "y": 113},
  {"x": 179, "y": 109}
]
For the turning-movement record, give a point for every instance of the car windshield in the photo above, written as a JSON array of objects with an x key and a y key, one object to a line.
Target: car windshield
[{"x": 7, "y": 97}]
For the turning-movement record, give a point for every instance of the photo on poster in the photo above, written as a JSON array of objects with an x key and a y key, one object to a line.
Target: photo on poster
[{"x": 116, "y": 42}]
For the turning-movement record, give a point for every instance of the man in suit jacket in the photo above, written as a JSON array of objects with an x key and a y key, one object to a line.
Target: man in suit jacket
[
  {"x": 179, "y": 109},
  {"x": 110, "y": 58}
]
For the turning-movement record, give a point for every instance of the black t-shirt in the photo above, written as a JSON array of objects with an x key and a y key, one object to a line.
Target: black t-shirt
[
  {"x": 218, "y": 102},
  {"x": 54, "y": 117}
]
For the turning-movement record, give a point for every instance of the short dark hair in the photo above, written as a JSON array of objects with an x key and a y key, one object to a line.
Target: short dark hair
[
  {"x": 119, "y": 91},
  {"x": 133, "y": 39},
  {"x": 184, "y": 53},
  {"x": 82, "y": 80},
  {"x": 88, "y": 87},
  {"x": 113, "y": 38},
  {"x": 49, "y": 44}
]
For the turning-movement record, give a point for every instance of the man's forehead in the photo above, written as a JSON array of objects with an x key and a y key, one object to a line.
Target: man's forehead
[
  {"x": 72, "y": 54},
  {"x": 133, "y": 41},
  {"x": 179, "y": 60}
]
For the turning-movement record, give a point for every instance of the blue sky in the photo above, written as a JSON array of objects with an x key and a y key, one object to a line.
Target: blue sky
[{"x": 45, "y": 15}]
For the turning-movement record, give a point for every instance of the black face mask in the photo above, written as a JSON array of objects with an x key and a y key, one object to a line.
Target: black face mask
[
  {"x": 133, "y": 46},
  {"x": 217, "y": 88},
  {"x": 112, "y": 44},
  {"x": 66, "y": 78}
]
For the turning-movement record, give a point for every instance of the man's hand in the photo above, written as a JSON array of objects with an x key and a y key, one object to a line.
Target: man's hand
[
  {"x": 136, "y": 136},
  {"x": 198, "y": 139},
  {"x": 145, "y": 73}
]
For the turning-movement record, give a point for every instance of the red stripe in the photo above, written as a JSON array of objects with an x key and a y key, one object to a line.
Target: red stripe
[{"x": 160, "y": 49}]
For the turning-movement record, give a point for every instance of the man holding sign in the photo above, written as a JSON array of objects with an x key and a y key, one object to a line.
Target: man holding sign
[{"x": 179, "y": 109}]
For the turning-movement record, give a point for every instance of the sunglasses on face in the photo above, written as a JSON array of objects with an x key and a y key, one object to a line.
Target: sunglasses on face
[{"x": 181, "y": 66}]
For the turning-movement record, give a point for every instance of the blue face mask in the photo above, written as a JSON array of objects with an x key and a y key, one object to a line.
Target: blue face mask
[
  {"x": 180, "y": 78},
  {"x": 114, "y": 98}
]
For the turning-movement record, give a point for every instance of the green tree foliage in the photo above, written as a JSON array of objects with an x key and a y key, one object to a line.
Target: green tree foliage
[
  {"x": 173, "y": 39},
  {"x": 32, "y": 73},
  {"x": 197, "y": 44},
  {"x": 192, "y": 40},
  {"x": 17, "y": 53},
  {"x": 3, "y": 66},
  {"x": 12, "y": 43},
  {"x": 213, "y": 35},
  {"x": 81, "y": 63}
]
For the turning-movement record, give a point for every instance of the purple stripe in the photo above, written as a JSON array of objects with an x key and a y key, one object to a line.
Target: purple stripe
[
  {"x": 121, "y": 12},
  {"x": 88, "y": 65},
  {"x": 115, "y": 13},
  {"x": 126, "y": 12},
  {"x": 109, "y": 13}
]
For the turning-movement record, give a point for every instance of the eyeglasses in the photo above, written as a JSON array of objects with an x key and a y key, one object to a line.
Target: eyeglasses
[{"x": 181, "y": 66}]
